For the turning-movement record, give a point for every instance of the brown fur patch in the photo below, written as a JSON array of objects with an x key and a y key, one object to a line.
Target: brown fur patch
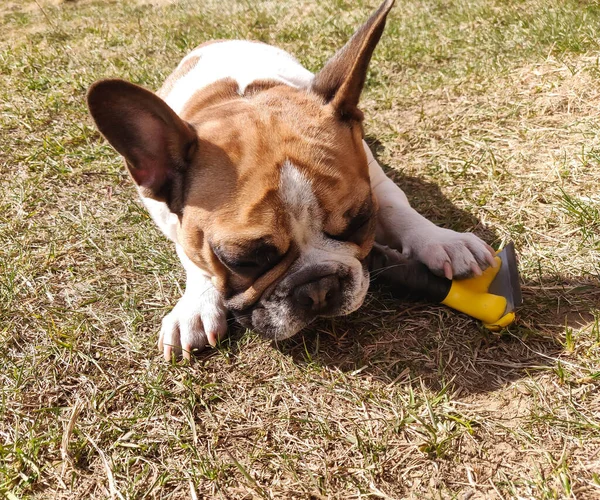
[{"x": 259, "y": 86}]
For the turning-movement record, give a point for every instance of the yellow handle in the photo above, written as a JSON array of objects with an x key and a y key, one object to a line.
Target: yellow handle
[{"x": 471, "y": 297}]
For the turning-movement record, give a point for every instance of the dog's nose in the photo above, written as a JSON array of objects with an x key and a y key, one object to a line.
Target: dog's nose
[{"x": 319, "y": 295}]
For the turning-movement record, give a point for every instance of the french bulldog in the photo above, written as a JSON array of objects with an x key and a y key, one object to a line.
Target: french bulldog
[{"x": 257, "y": 170}]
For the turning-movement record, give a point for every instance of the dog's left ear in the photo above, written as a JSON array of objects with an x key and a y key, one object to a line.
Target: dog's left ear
[
  {"x": 157, "y": 145},
  {"x": 341, "y": 80}
]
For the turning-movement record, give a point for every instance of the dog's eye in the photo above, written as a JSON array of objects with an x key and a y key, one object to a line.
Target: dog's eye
[
  {"x": 356, "y": 230},
  {"x": 237, "y": 265},
  {"x": 259, "y": 260},
  {"x": 336, "y": 237}
]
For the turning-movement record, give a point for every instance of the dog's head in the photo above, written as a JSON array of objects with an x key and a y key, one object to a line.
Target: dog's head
[{"x": 270, "y": 187}]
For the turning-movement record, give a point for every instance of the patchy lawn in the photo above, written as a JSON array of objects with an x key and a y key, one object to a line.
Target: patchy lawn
[{"x": 486, "y": 112}]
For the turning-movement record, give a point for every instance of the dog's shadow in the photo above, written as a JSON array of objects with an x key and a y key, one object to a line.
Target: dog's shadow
[{"x": 397, "y": 341}]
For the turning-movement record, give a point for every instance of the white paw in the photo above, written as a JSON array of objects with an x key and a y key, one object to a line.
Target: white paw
[
  {"x": 197, "y": 320},
  {"x": 448, "y": 253}
]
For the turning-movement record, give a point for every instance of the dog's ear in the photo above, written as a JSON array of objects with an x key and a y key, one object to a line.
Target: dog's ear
[
  {"x": 155, "y": 142},
  {"x": 341, "y": 80}
]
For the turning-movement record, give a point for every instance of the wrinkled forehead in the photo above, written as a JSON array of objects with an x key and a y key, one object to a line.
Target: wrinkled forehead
[
  {"x": 280, "y": 150},
  {"x": 289, "y": 204}
]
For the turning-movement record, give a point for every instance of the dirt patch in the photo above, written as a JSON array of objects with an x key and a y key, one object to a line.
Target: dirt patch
[
  {"x": 12, "y": 7},
  {"x": 157, "y": 2}
]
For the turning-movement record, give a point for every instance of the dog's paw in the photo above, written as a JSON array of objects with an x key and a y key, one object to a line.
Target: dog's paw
[
  {"x": 448, "y": 253},
  {"x": 196, "y": 321}
]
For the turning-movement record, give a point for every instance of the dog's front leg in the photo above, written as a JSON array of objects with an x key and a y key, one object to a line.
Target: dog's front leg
[
  {"x": 446, "y": 252},
  {"x": 198, "y": 319}
]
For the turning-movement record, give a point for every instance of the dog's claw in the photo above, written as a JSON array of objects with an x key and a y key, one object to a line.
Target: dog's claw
[
  {"x": 448, "y": 270},
  {"x": 186, "y": 351},
  {"x": 212, "y": 338},
  {"x": 490, "y": 257},
  {"x": 476, "y": 270},
  {"x": 168, "y": 352}
]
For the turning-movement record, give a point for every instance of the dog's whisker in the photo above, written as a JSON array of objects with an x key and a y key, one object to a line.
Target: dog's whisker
[{"x": 374, "y": 274}]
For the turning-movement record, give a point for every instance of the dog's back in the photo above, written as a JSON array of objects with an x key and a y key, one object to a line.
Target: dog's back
[{"x": 243, "y": 61}]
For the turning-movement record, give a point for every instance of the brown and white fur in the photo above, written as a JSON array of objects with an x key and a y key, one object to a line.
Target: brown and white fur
[{"x": 257, "y": 170}]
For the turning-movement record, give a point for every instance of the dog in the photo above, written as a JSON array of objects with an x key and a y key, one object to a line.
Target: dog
[{"x": 258, "y": 171}]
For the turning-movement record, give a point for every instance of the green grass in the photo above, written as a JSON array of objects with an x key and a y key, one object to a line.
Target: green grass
[{"x": 485, "y": 112}]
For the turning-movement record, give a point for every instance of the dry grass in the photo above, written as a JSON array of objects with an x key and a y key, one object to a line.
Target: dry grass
[{"x": 486, "y": 112}]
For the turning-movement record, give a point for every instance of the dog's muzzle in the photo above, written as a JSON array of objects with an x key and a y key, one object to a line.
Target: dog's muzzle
[{"x": 319, "y": 290}]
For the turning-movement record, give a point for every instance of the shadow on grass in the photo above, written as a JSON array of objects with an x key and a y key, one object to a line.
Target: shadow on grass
[
  {"x": 397, "y": 341},
  {"x": 427, "y": 198}
]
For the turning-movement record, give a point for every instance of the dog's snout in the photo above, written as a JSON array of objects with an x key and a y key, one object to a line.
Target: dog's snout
[{"x": 318, "y": 296}]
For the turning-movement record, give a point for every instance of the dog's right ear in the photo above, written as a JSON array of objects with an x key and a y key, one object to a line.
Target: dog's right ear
[
  {"x": 155, "y": 142},
  {"x": 341, "y": 80}
]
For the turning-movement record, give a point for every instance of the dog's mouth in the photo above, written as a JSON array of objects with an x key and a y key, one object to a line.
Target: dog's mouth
[
  {"x": 263, "y": 286},
  {"x": 278, "y": 316}
]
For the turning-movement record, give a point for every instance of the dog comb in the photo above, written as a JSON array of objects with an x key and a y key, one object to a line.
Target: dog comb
[{"x": 491, "y": 297}]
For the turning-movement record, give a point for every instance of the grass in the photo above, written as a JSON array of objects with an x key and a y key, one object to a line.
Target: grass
[{"x": 485, "y": 112}]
